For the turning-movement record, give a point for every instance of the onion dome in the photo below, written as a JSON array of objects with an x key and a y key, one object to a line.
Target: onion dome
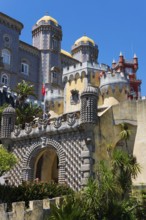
[
  {"x": 47, "y": 18},
  {"x": 8, "y": 110},
  {"x": 85, "y": 39}
]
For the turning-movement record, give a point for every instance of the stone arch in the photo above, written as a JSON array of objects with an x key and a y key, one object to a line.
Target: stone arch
[
  {"x": 77, "y": 76},
  {"x": 28, "y": 162},
  {"x": 71, "y": 77},
  {"x": 65, "y": 79}
]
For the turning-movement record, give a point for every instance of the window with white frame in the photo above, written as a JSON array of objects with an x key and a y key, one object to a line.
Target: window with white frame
[
  {"x": 6, "y": 55},
  {"x": 4, "y": 79},
  {"x": 24, "y": 68}
]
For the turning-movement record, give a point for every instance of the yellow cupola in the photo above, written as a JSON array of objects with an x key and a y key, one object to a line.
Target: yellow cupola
[
  {"x": 84, "y": 39},
  {"x": 47, "y": 18}
]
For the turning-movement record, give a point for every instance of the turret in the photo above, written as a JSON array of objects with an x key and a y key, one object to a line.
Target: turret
[
  {"x": 47, "y": 37},
  {"x": 135, "y": 62},
  {"x": 85, "y": 50},
  {"x": 121, "y": 61},
  {"x": 114, "y": 87},
  {"x": 7, "y": 122},
  {"x": 89, "y": 98}
]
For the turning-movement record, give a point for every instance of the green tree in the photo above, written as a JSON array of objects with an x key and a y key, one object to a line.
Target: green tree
[
  {"x": 108, "y": 196},
  {"x": 7, "y": 160},
  {"x": 2, "y": 109},
  {"x": 105, "y": 197},
  {"x": 69, "y": 209},
  {"x": 125, "y": 134},
  {"x": 26, "y": 111},
  {"x": 24, "y": 90}
]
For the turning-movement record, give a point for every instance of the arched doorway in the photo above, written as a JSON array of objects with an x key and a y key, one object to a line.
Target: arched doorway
[{"x": 46, "y": 165}]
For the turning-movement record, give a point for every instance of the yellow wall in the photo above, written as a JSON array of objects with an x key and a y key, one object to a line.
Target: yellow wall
[
  {"x": 80, "y": 85},
  {"x": 56, "y": 106},
  {"x": 106, "y": 133},
  {"x": 94, "y": 79}
]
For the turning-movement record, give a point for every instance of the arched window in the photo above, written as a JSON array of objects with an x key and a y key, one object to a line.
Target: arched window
[
  {"x": 24, "y": 68},
  {"x": 6, "y": 55},
  {"x": 4, "y": 79}
]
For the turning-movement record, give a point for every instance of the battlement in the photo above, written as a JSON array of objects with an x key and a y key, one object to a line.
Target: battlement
[
  {"x": 113, "y": 78},
  {"x": 70, "y": 72},
  {"x": 38, "y": 210}
]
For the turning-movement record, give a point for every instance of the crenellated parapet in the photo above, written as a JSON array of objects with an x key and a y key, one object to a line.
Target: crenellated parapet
[
  {"x": 81, "y": 70},
  {"x": 112, "y": 84},
  {"x": 38, "y": 209}
]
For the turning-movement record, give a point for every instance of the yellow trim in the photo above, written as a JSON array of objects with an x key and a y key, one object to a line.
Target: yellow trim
[
  {"x": 47, "y": 18},
  {"x": 85, "y": 39},
  {"x": 66, "y": 53}
]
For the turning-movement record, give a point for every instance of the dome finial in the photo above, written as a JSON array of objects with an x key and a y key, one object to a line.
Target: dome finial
[
  {"x": 135, "y": 56},
  {"x": 47, "y": 13},
  {"x": 114, "y": 61},
  {"x": 121, "y": 54}
]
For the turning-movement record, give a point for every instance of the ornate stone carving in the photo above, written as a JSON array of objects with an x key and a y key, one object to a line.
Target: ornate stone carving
[
  {"x": 28, "y": 128},
  {"x": 44, "y": 141},
  {"x": 58, "y": 122},
  {"x": 42, "y": 123},
  {"x": 71, "y": 119},
  {"x": 17, "y": 129}
]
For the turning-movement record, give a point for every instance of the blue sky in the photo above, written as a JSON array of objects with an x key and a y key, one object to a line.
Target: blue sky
[{"x": 115, "y": 25}]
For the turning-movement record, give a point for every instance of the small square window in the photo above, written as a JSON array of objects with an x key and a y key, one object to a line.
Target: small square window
[
  {"x": 25, "y": 68},
  {"x": 74, "y": 99}
]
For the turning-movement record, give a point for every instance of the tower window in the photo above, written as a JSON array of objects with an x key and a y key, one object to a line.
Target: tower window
[
  {"x": 74, "y": 99},
  {"x": 4, "y": 79},
  {"x": 24, "y": 68},
  {"x": 54, "y": 44},
  {"x": 6, "y": 55}
]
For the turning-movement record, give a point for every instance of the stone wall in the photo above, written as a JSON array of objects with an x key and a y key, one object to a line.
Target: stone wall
[
  {"x": 38, "y": 210},
  {"x": 140, "y": 142}
]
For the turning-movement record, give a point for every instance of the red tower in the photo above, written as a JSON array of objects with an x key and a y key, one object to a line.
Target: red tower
[{"x": 130, "y": 68}]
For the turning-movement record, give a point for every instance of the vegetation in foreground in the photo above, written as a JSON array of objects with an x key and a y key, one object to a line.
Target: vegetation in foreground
[
  {"x": 7, "y": 160},
  {"x": 29, "y": 191},
  {"x": 109, "y": 196}
]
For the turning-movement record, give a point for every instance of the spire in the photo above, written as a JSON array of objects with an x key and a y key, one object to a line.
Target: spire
[
  {"x": 120, "y": 54},
  {"x": 114, "y": 61},
  {"x": 135, "y": 56}
]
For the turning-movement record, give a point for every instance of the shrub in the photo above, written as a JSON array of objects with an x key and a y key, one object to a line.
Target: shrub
[{"x": 32, "y": 191}]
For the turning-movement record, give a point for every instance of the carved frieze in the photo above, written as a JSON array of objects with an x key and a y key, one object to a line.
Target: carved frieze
[
  {"x": 28, "y": 128},
  {"x": 71, "y": 119},
  {"x": 17, "y": 129},
  {"x": 58, "y": 122}
]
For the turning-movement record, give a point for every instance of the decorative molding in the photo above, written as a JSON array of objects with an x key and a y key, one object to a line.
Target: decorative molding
[
  {"x": 71, "y": 119},
  {"x": 58, "y": 122}
]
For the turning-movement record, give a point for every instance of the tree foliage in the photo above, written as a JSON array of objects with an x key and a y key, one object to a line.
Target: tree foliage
[
  {"x": 108, "y": 196},
  {"x": 7, "y": 160},
  {"x": 24, "y": 90},
  {"x": 26, "y": 111},
  {"x": 2, "y": 109}
]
